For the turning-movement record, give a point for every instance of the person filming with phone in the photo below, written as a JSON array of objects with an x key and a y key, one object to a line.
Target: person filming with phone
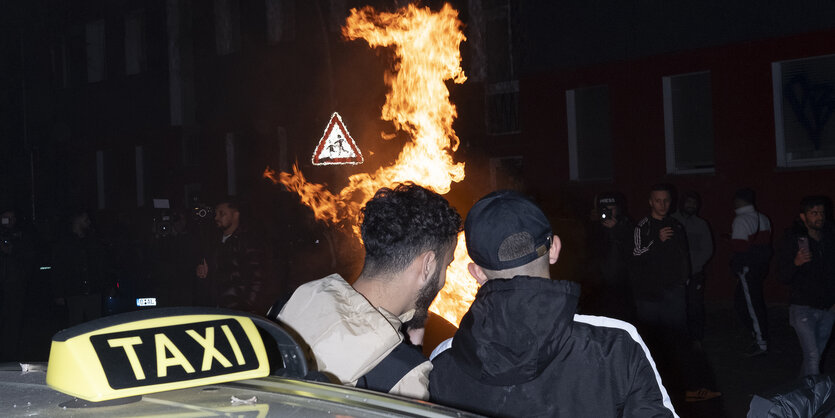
[
  {"x": 609, "y": 250},
  {"x": 806, "y": 262}
]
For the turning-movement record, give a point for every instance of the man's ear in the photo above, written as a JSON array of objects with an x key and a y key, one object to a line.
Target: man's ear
[
  {"x": 554, "y": 252},
  {"x": 477, "y": 273},
  {"x": 428, "y": 264}
]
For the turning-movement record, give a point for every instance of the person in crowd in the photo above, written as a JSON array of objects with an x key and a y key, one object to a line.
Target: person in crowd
[
  {"x": 235, "y": 270},
  {"x": 17, "y": 263},
  {"x": 806, "y": 262},
  {"x": 520, "y": 349},
  {"x": 609, "y": 250},
  {"x": 354, "y": 330},
  {"x": 700, "y": 243},
  {"x": 80, "y": 270},
  {"x": 660, "y": 266},
  {"x": 751, "y": 246},
  {"x": 659, "y": 272}
]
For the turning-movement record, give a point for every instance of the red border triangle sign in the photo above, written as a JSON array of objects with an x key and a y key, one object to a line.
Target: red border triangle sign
[{"x": 336, "y": 146}]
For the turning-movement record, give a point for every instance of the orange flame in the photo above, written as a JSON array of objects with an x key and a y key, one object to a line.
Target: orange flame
[{"x": 427, "y": 48}]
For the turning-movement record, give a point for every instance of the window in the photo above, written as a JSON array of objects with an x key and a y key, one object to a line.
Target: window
[
  {"x": 139, "y": 156},
  {"x": 231, "y": 164},
  {"x": 60, "y": 65},
  {"x": 100, "y": 180},
  {"x": 804, "y": 102},
  {"x": 502, "y": 107},
  {"x": 94, "y": 35},
  {"x": 502, "y": 87},
  {"x": 688, "y": 123},
  {"x": 281, "y": 20},
  {"x": 191, "y": 145},
  {"x": 589, "y": 133},
  {"x": 475, "y": 45},
  {"x": 227, "y": 26},
  {"x": 135, "y": 43},
  {"x": 498, "y": 40}
]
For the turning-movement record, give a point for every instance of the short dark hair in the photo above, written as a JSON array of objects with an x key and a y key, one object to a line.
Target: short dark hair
[
  {"x": 746, "y": 195},
  {"x": 661, "y": 187},
  {"x": 808, "y": 202},
  {"x": 398, "y": 224}
]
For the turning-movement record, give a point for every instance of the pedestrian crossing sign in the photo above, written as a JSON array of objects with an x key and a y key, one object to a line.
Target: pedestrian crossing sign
[{"x": 336, "y": 146}]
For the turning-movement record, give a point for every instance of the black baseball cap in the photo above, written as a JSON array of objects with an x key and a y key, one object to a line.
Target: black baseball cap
[{"x": 502, "y": 217}]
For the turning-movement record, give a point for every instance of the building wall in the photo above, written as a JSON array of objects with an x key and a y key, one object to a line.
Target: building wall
[{"x": 744, "y": 136}]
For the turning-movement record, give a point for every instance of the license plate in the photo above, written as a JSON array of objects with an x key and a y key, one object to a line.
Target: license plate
[{"x": 146, "y": 302}]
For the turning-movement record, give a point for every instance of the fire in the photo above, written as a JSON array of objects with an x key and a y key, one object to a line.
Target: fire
[{"x": 426, "y": 45}]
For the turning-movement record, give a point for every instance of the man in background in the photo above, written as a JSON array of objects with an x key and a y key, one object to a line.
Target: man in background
[
  {"x": 751, "y": 246},
  {"x": 235, "y": 269},
  {"x": 660, "y": 267},
  {"x": 700, "y": 243},
  {"x": 80, "y": 270},
  {"x": 609, "y": 250},
  {"x": 806, "y": 262}
]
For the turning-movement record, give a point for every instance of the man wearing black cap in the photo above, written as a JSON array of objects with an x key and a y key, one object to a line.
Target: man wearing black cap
[{"x": 521, "y": 350}]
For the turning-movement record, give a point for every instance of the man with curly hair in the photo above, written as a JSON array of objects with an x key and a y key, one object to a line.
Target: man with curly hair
[{"x": 354, "y": 330}]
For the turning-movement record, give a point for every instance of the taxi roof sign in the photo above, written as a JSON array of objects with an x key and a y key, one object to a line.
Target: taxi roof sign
[
  {"x": 155, "y": 350},
  {"x": 336, "y": 145}
]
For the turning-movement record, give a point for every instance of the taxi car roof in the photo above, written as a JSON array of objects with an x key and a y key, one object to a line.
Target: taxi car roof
[{"x": 25, "y": 393}]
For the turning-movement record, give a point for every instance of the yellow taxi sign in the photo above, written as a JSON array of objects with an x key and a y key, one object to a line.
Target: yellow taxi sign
[{"x": 156, "y": 350}]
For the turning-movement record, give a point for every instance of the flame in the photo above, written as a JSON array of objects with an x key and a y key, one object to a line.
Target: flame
[
  {"x": 458, "y": 293},
  {"x": 426, "y": 45}
]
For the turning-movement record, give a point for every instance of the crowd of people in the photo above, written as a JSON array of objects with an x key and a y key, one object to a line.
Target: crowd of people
[{"x": 522, "y": 348}]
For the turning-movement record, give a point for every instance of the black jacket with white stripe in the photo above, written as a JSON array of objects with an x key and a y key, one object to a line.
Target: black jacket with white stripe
[
  {"x": 658, "y": 266},
  {"x": 521, "y": 351}
]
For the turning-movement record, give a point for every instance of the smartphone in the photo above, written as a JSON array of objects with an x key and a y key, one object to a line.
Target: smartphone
[{"x": 803, "y": 243}]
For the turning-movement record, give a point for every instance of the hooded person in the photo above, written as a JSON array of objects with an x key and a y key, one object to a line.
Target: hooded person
[{"x": 520, "y": 349}]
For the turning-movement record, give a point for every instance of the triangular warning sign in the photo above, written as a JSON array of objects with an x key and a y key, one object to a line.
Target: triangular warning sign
[{"x": 336, "y": 145}]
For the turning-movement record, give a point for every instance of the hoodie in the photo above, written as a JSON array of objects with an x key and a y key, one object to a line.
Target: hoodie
[{"x": 521, "y": 351}]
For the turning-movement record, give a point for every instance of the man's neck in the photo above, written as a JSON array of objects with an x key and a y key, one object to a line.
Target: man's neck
[
  {"x": 657, "y": 216},
  {"x": 378, "y": 291}
]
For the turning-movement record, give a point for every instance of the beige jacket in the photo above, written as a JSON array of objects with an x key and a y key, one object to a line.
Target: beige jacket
[{"x": 349, "y": 336}]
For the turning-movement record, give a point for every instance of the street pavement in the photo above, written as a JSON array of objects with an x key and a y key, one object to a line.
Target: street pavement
[{"x": 739, "y": 377}]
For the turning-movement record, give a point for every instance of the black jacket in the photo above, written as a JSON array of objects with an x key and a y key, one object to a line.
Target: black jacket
[
  {"x": 236, "y": 272},
  {"x": 812, "y": 284},
  {"x": 609, "y": 251},
  {"x": 520, "y": 351},
  {"x": 658, "y": 266}
]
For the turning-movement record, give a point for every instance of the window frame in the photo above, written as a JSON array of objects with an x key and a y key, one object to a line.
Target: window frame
[
  {"x": 669, "y": 128},
  {"x": 572, "y": 131},
  {"x": 779, "y": 123}
]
